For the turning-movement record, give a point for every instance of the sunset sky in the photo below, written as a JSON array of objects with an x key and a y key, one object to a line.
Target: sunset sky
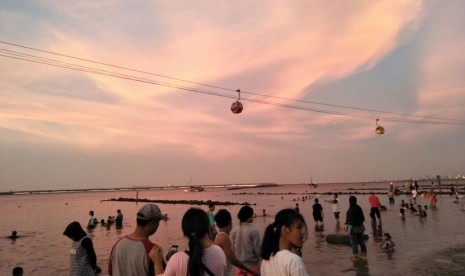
[{"x": 400, "y": 61}]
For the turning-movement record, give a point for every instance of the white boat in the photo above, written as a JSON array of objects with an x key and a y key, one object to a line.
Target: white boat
[
  {"x": 194, "y": 188},
  {"x": 312, "y": 185}
]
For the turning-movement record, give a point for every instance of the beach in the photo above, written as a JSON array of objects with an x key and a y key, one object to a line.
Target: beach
[{"x": 424, "y": 246}]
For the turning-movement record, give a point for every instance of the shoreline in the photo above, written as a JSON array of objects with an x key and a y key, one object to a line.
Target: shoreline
[
  {"x": 138, "y": 188},
  {"x": 446, "y": 183}
]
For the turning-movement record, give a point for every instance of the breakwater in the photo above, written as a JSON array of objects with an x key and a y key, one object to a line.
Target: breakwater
[{"x": 172, "y": 201}]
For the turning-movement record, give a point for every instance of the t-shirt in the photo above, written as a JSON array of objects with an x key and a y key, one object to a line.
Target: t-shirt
[
  {"x": 213, "y": 258},
  {"x": 317, "y": 209},
  {"x": 211, "y": 217},
  {"x": 387, "y": 244},
  {"x": 90, "y": 222},
  {"x": 283, "y": 263},
  {"x": 79, "y": 261},
  {"x": 336, "y": 205},
  {"x": 131, "y": 258},
  {"x": 246, "y": 243},
  {"x": 374, "y": 201}
]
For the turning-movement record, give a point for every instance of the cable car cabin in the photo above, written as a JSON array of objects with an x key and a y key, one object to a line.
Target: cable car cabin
[
  {"x": 379, "y": 130},
  {"x": 237, "y": 107}
]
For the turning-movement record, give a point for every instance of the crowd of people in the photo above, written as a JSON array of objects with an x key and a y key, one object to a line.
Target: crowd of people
[
  {"x": 215, "y": 247},
  {"x": 117, "y": 220}
]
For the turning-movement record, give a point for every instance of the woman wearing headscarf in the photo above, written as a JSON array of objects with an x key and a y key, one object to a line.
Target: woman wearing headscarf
[
  {"x": 83, "y": 261},
  {"x": 354, "y": 224}
]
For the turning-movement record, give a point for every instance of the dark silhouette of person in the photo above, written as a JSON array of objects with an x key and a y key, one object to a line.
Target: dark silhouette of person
[{"x": 13, "y": 236}]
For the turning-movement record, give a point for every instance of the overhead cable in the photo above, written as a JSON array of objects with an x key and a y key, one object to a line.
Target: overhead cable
[{"x": 77, "y": 67}]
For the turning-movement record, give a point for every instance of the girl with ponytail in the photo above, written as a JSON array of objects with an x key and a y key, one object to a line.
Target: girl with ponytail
[
  {"x": 203, "y": 257},
  {"x": 282, "y": 238}
]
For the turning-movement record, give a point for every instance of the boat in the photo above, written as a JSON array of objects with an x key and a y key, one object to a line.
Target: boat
[
  {"x": 312, "y": 185},
  {"x": 193, "y": 188}
]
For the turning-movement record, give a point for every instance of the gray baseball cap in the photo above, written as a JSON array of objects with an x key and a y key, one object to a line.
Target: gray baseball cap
[{"x": 149, "y": 212}]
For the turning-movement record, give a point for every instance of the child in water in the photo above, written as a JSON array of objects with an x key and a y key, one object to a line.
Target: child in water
[
  {"x": 421, "y": 212},
  {"x": 387, "y": 243}
]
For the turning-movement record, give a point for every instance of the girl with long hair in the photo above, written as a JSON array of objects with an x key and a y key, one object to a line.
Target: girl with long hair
[
  {"x": 281, "y": 241},
  {"x": 202, "y": 258}
]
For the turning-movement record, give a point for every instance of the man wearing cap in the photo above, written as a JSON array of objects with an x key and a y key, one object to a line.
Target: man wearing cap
[{"x": 130, "y": 254}]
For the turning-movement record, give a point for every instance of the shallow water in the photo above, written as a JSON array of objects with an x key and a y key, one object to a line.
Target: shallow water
[{"x": 41, "y": 218}]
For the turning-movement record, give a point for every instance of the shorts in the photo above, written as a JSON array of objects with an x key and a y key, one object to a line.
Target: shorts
[
  {"x": 373, "y": 212},
  {"x": 336, "y": 215},
  {"x": 317, "y": 217}
]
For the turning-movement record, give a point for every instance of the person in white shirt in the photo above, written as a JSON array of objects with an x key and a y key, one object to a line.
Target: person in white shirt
[
  {"x": 414, "y": 196},
  {"x": 336, "y": 209},
  {"x": 91, "y": 220},
  {"x": 281, "y": 241}
]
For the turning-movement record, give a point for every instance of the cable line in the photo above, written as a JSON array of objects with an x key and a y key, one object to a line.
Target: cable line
[
  {"x": 77, "y": 67},
  {"x": 227, "y": 89},
  {"x": 222, "y": 88}
]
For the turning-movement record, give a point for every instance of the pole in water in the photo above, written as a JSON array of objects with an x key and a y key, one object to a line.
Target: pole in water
[{"x": 137, "y": 196}]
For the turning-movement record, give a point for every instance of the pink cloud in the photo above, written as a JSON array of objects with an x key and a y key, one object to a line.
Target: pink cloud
[{"x": 309, "y": 41}]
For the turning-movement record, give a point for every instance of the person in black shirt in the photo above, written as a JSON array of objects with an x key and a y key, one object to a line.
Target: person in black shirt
[{"x": 354, "y": 224}]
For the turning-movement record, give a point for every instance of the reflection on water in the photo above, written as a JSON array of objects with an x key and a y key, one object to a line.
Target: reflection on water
[
  {"x": 337, "y": 229},
  {"x": 377, "y": 232},
  {"x": 361, "y": 268},
  {"x": 43, "y": 250}
]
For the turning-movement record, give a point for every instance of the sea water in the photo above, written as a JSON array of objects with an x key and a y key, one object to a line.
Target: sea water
[{"x": 42, "y": 249}]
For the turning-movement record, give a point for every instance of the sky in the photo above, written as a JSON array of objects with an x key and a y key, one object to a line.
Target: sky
[{"x": 314, "y": 75}]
